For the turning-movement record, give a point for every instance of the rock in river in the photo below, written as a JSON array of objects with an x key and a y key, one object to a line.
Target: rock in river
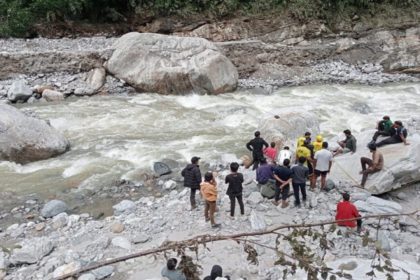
[
  {"x": 25, "y": 139},
  {"x": 171, "y": 64},
  {"x": 53, "y": 208},
  {"x": 19, "y": 91}
]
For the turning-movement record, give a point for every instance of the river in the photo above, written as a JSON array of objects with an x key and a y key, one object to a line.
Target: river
[{"x": 112, "y": 135}]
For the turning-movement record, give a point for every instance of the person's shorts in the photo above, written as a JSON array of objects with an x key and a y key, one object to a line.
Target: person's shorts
[
  {"x": 346, "y": 150},
  {"x": 311, "y": 169},
  {"x": 321, "y": 173}
]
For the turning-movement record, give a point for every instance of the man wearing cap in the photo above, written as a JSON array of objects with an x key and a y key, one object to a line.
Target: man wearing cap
[
  {"x": 370, "y": 166},
  {"x": 192, "y": 179}
]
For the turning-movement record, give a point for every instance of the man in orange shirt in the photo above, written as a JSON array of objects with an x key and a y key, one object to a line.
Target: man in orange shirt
[
  {"x": 347, "y": 210},
  {"x": 209, "y": 192}
]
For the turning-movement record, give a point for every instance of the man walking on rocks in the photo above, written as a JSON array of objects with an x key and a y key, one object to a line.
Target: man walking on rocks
[
  {"x": 322, "y": 165},
  {"x": 256, "y": 146},
  {"x": 209, "y": 192},
  {"x": 370, "y": 166},
  {"x": 192, "y": 179}
]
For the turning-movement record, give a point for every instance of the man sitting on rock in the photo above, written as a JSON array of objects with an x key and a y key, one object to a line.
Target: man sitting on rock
[
  {"x": 347, "y": 210},
  {"x": 399, "y": 135},
  {"x": 370, "y": 166},
  {"x": 265, "y": 179},
  {"x": 348, "y": 145},
  {"x": 384, "y": 128},
  {"x": 171, "y": 272}
]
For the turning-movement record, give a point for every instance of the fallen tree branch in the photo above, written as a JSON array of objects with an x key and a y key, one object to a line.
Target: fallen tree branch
[{"x": 204, "y": 239}]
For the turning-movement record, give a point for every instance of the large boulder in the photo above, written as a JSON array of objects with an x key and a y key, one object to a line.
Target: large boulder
[
  {"x": 284, "y": 127},
  {"x": 32, "y": 251},
  {"x": 25, "y": 139},
  {"x": 401, "y": 164},
  {"x": 19, "y": 91},
  {"x": 171, "y": 64}
]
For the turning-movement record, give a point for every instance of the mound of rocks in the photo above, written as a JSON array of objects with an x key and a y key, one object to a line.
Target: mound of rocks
[
  {"x": 25, "y": 139},
  {"x": 284, "y": 126},
  {"x": 171, "y": 65}
]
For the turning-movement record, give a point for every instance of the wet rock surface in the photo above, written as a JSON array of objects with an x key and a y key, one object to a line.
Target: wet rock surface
[{"x": 24, "y": 139}]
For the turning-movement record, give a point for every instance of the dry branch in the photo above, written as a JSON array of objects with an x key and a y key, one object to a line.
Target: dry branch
[{"x": 204, "y": 239}]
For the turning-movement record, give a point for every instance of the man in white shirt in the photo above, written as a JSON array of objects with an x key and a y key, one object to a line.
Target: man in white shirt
[
  {"x": 284, "y": 154},
  {"x": 322, "y": 165}
]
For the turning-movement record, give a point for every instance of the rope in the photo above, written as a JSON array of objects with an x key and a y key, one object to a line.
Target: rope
[{"x": 348, "y": 175}]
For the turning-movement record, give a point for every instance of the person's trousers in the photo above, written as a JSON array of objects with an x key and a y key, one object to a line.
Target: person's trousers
[
  {"x": 359, "y": 224},
  {"x": 366, "y": 163},
  {"x": 299, "y": 187},
  {"x": 256, "y": 159},
  {"x": 284, "y": 193},
  {"x": 192, "y": 197},
  {"x": 232, "y": 198},
  {"x": 379, "y": 133},
  {"x": 209, "y": 210},
  {"x": 389, "y": 140}
]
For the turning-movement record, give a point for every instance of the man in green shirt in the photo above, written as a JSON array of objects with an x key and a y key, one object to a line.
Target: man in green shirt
[
  {"x": 384, "y": 128},
  {"x": 348, "y": 145}
]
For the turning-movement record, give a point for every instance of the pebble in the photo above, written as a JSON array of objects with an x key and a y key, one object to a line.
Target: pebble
[
  {"x": 40, "y": 226},
  {"x": 117, "y": 227}
]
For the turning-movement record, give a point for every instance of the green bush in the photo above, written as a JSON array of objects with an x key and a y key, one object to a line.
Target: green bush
[{"x": 18, "y": 16}]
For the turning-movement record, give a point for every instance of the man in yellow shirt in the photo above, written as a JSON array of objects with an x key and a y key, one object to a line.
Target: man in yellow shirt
[
  {"x": 304, "y": 151},
  {"x": 318, "y": 143}
]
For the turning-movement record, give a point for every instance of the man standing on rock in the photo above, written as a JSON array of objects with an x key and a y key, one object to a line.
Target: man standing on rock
[
  {"x": 322, "y": 165},
  {"x": 209, "y": 192},
  {"x": 283, "y": 176},
  {"x": 256, "y": 146},
  {"x": 234, "y": 190},
  {"x": 300, "y": 174},
  {"x": 192, "y": 179},
  {"x": 370, "y": 166}
]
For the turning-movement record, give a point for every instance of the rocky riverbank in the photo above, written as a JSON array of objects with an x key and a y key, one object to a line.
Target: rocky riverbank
[
  {"x": 58, "y": 243},
  {"x": 269, "y": 58}
]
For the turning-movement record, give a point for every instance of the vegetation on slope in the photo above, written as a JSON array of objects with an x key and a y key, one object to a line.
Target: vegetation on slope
[{"x": 18, "y": 17}]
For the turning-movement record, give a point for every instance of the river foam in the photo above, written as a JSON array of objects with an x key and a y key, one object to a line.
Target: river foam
[{"x": 113, "y": 135}]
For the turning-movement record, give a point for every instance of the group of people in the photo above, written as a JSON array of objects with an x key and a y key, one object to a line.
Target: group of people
[
  {"x": 277, "y": 170},
  {"x": 208, "y": 189}
]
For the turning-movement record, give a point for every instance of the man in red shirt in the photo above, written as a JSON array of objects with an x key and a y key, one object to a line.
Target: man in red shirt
[{"x": 347, "y": 210}]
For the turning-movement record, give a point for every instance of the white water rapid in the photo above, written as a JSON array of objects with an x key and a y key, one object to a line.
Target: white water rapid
[{"x": 112, "y": 135}]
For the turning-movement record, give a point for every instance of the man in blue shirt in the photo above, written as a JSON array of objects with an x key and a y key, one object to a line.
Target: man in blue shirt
[{"x": 265, "y": 179}]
